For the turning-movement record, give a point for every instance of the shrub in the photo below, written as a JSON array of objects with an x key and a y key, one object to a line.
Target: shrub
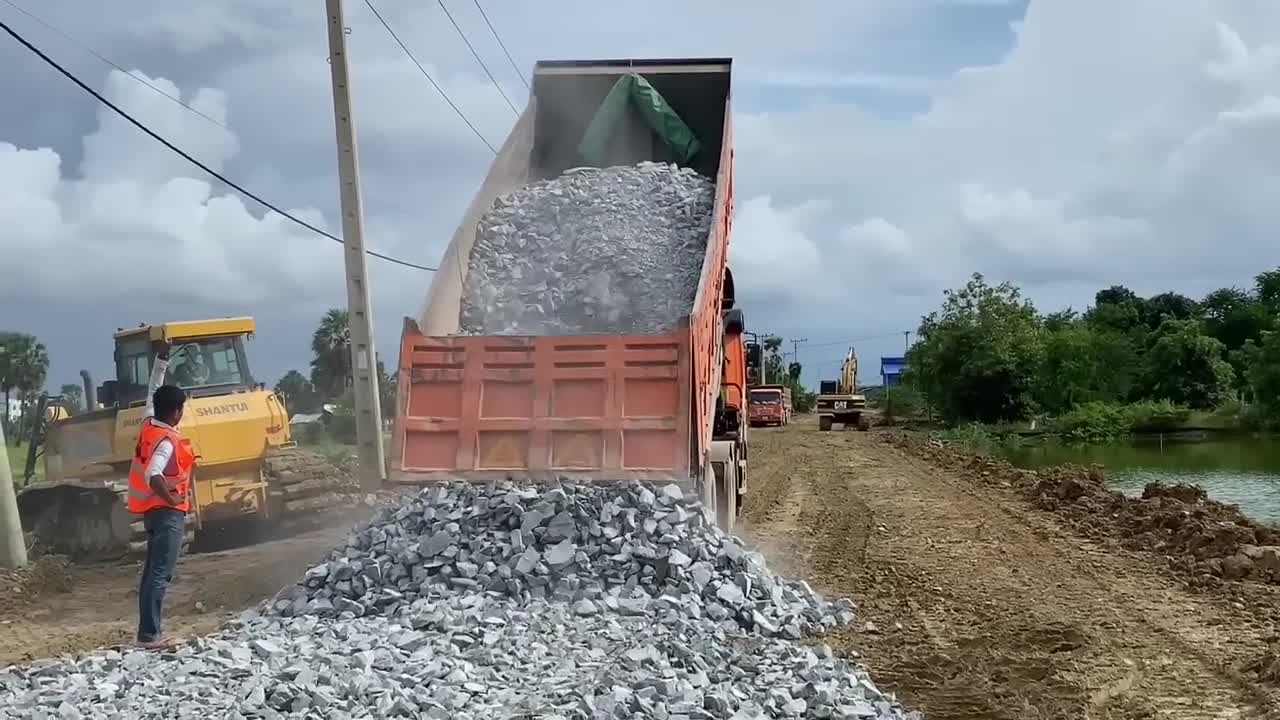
[
  {"x": 1092, "y": 422},
  {"x": 1154, "y": 416},
  {"x": 1103, "y": 421},
  {"x": 902, "y": 401}
]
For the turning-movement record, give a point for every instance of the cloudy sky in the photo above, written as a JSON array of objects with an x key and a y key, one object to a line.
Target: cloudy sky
[{"x": 886, "y": 149}]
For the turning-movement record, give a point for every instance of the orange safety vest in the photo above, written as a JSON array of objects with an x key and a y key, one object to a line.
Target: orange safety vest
[{"x": 177, "y": 474}]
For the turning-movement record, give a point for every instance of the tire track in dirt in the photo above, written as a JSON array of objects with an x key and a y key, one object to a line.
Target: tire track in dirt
[{"x": 982, "y": 607}]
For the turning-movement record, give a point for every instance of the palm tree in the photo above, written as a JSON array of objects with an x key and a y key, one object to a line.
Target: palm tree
[
  {"x": 331, "y": 350},
  {"x": 72, "y": 398},
  {"x": 298, "y": 393},
  {"x": 24, "y": 362}
]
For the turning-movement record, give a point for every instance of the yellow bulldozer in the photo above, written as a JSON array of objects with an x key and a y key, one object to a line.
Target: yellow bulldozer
[{"x": 249, "y": 475}]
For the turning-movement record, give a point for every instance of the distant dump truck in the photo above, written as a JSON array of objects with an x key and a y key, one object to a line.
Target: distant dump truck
[
  {"x": 498, "y": 383},
  {"x": 770, "y": 405},
  {"x": 839, "y": 400}
]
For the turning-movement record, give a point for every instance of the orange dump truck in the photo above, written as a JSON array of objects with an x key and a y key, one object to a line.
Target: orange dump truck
[
  {"x": 662, "y": 407},
  {"x": 770, "y": 405}
]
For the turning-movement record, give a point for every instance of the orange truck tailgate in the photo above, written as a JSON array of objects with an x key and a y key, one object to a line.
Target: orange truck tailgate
[{"x": 487, "y": 407}]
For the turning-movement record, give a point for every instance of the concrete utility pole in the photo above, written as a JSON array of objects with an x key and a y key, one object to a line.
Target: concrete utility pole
[
  {"x": 906, "y": 341},
  {"x": 364, "y": 363},
  {"x": 795, "y": 348},
  {"x": 13, "y": 549}
]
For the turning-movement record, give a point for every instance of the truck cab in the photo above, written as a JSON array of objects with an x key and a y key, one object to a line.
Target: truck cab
[{"x": 768, "y": 407}]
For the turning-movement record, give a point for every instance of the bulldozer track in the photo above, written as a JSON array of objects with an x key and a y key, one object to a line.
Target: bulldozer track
[
  {"x": 304, "y": 491},
  {"x": 303, "y": 485}
]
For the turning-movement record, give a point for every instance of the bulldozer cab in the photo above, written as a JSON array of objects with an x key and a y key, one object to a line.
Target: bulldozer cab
[{"x": 207, "y": 358}]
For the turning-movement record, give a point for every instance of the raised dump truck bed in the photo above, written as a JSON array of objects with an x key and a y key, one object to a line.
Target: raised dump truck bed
[{"x": 589, "y": 407}]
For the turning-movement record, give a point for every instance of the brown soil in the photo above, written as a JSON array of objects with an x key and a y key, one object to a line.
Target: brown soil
[
  {"x": 1211, "y": 543},
  {"x": 54, "y": 608},
  {"x": 982, "y": 604}
]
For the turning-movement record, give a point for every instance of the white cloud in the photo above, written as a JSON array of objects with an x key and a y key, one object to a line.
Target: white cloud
[
  {"x": 814, "y": 79},
  {"x": 135, "y": 218},
  {"x": 771, "y": 249},
  {"x": 1110, "y": 143}
]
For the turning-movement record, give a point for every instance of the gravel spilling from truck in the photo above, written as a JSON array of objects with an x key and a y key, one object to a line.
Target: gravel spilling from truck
[
  {"x": 509, "y": 602},
  {"x": 612, "y": 250}
]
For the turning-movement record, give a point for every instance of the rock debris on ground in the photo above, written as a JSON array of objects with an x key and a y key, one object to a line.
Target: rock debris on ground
[
  {"x": 578, "y": 601},
  {"x": 610, "y": 250}
]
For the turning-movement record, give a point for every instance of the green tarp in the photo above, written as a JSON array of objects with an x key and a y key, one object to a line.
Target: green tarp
[{"x": 633, "y": 90}]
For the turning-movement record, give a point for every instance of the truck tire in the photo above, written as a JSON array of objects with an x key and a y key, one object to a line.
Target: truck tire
[
  {"x": 824, "y": 423},
  {"x": 726, "y": 496},
  {"x": 724, "y": 464}
]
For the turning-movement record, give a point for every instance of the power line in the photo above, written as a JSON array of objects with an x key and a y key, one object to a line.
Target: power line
[
  {"x": 99, "y": 97},
  {"x": 83, "y": 46},
  {"x": 851, "y": 341},
  {"x": 502, "y": 45},
  {"x": 430, "y": 79},
  {"x": 476, "y": 55}
]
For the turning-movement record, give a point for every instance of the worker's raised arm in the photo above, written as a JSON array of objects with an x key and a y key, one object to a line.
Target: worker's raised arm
[{"x": 157, "y": 378}]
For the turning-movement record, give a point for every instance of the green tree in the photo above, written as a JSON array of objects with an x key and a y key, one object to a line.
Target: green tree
[
  {"x": 387, "y": 390},
  {"x": 1117, "y": 308},
  {"x": 331, "y": 355},
  {"x": 1060, "y": 320},
  {"x": 1084, "y": 363},
  {"x": 793, "y": 371},
  {"x": 1266, "y": 287},
  {"x": 1263, "y": 363},
  {"x": 1185, "y": 366},
  {"x": 1234, "y": 316},
  {"x": 298, "y": 393},
  {"x": 24, "y": 363},
  {"x": 1169, "y": 305},
  {"x": 774, "y": 373},
  {"x": 977, "y": 356},
  {"x": 72, "y": 398}
]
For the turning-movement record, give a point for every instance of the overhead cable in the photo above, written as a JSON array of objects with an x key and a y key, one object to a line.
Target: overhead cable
[{"x": 186, "y": 156}]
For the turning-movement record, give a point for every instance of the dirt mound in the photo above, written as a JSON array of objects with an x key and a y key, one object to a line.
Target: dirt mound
[
  {"x": 1209, "y": 540},
  {"x": 43, "y": 576}
]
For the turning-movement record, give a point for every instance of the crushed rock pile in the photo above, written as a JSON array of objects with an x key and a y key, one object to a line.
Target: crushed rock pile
[
  {"x": 577, "y": 601},
  {"x": 1210, "y": 541},
  {"x": 613, "y": 250}
]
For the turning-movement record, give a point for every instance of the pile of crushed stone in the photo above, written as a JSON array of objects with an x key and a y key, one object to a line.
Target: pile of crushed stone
[
  {"x": 612, "y": 250},
  {"x": 575, "y": 601}
]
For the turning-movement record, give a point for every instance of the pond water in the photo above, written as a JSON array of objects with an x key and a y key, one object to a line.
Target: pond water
[{"x": 1242, "y": 471}]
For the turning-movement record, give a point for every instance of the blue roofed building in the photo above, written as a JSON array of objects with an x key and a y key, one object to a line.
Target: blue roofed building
[{"x": 891, "y": 368}]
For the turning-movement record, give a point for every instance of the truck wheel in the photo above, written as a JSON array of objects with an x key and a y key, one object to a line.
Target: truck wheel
[
  {"x": 824, "y": 423},
  {"x": 726, "y": 492}
]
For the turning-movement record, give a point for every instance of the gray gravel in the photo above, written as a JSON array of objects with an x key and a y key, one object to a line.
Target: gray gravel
[
  {"x": 499, "y": 602},
  {"x": 608, "y": 250}
]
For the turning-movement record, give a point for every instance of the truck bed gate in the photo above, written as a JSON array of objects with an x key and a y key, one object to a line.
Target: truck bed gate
[{"x": 586, "y": 407}]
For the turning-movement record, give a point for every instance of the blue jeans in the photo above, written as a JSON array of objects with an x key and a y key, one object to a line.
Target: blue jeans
[{"x": 166, "y": 528}]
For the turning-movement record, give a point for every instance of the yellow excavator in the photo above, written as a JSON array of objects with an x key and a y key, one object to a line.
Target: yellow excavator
[
  {"x": 249, "y": 473},
  {"x": 839, "y": 401}
]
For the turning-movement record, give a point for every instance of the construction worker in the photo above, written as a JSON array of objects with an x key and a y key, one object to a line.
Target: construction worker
[{"x": 159, "y": 488}]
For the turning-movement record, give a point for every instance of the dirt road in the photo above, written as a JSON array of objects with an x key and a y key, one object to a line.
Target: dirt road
[
  {"x": 59, "y": 608},
  {"x": 981, "y": 606}
]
